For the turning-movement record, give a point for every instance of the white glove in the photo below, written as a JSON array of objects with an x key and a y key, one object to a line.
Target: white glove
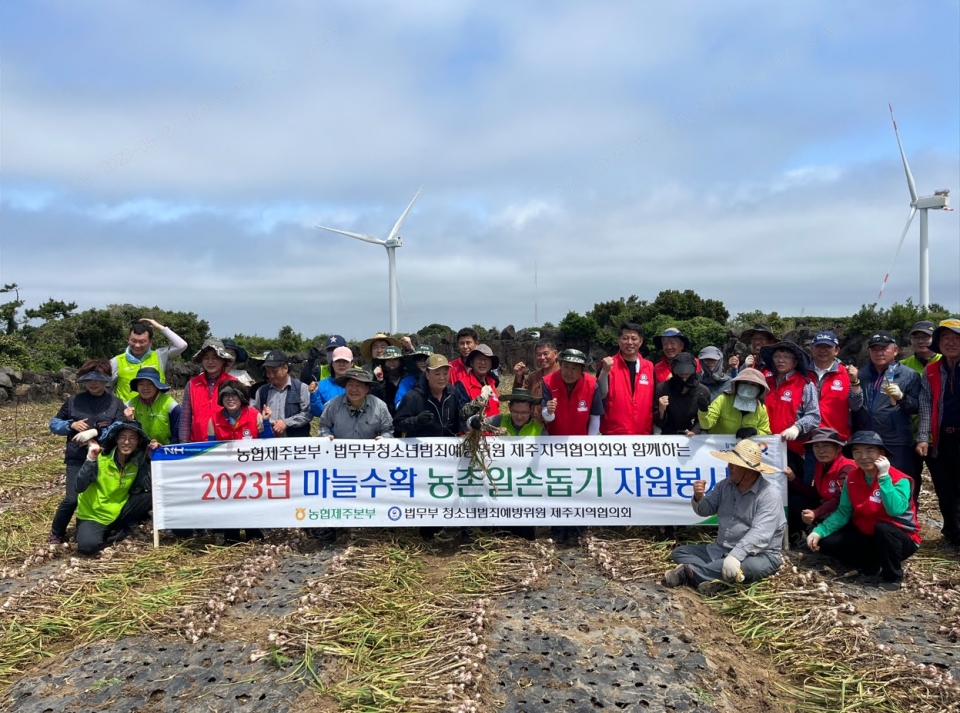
[
  {"x": 731, "y": 568},
  {"x": 85, "y": 436},
  {"x": 892, "y": 390},
  {"x": 486, "y": 392},
  {"x": 813, "y": 540},
  {"x": 883, "y": 466},
  {"x": 748, "y": 362},
  {"x": 790, "y": 434}
]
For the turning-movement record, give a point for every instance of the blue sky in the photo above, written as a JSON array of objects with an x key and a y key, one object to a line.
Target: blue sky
[{"x": 741, "y": 149}]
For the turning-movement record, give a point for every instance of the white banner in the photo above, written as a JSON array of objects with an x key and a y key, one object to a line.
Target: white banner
[{"x": 409, "y": 482}]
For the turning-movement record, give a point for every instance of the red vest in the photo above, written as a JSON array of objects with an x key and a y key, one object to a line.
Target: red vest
[
  {"x": 573, "y": 411},
  {"x": 783, "y": 403},
  {"x": 457, "y": 371},
  {"x": 934, "y": 376},
  {"x": 868, "y": 509},
  {"x": 245, "y": 427},
  {"x": 626, "y": 412},
  {"x": 663, "y": 371},
  {"x": 834, "y": 409},
  {"x": 203, "y": 404},
  {"x": 830, "y": 484},
  {"x": 473, "y": 387}
]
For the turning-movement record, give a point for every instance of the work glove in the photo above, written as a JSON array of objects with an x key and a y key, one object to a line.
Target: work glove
[
  {"x": 791, "y": 434},
  {"x": 425, "y": 418},
  {"x": 486, "y": 392},
  {"x": 85, "y": 436},
  {"x": 892, "y": 390},
  {"x": 883, "y": 466},
  {"x": 731, "y": 569},
  {"x": 315, "y": 353},
  {"x": 703, "y": 402},
  {"x": 813, "y": 541}
]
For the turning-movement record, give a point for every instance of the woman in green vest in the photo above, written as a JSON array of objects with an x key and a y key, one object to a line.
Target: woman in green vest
[
  {"x": 113, "y": 487},
  {"x": 154, "y": 408},
  {"x": 519, "y": 422}
]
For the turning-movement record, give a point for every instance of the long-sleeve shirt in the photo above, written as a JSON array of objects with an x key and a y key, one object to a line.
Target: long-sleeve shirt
[
  {"x": 722, "y": 417},
  {"x": 327, "y": 390},
  {"x": 341, "y": 420},
  {"x": 277, "y": 401},
  {"x": 895, "y": 498},
  {"x": 177, "y": 346},
  {"x": 926, "y": 428},
  {"x": 750, "y": 523}
]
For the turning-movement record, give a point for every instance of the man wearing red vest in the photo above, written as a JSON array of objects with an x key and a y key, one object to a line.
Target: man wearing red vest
[
  {"x": 792, "y": 403},
  {"x": 626, "y": 385},
  {"x": 874, "y": 528},
  {"x": 467, "y": 341},
  {"x": 571, "y": 400},
  {"x": 200, "y": 394},
  {"x": 939, "y": 434},
  {"x": 671, "y": 343},
  {"x": 835, "y": 383}
]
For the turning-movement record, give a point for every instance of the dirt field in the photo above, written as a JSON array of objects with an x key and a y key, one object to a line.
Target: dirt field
[{"x": 380, "y": 621}]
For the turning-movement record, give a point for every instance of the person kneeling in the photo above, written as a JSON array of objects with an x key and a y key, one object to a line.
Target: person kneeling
[
  {"x": 113, "y": 487},
  {"x": 749, "y": 511},
  {"x": 874, "y": 528}
]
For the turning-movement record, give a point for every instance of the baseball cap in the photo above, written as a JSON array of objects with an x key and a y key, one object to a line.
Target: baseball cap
[
  {"x": 683, "y": 363},
  {"x": 437, "y": 361},
  {"x": 882, "y": 338},
  {"x": 923, "y": 326},
  {"x": 334, "y": 341},
  {"x": 827, "y": 337},
  {"x": 342, "y": 354}
]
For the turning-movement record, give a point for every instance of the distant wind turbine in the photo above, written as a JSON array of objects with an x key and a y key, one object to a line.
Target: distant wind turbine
[
  {"x": 392, "y": 242},
  {"x": 940, "y": 200}
]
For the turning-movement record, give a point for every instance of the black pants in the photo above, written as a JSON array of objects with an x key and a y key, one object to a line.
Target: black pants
[
  {"x": 796, "y": 504},
  {"x": 68, "y": 505},
  {"x": 945, "y": 473},
  {"x": 918, "y": 462},
  {"x": 91, "y": 534},
  {"x": 885, "y": 549}
]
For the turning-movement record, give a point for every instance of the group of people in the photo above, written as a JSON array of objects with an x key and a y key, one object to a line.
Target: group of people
[{"x": 834, "y": 418}]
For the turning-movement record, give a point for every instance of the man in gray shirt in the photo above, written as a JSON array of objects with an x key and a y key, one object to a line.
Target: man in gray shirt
[
  {"x": 356, "y": 413},
  {"x": 287, "y": 400},
  {"x": 750, "y": 514}
]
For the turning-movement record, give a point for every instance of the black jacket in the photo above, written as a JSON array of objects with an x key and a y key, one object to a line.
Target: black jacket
[
  {"x": 681, "y": 413},
  {"x": 99, "y": 411},
  {"x": 446, "y": 414}
]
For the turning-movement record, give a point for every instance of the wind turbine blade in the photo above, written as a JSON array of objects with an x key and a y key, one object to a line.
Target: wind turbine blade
[
  {"x": 399, "y": 291},
  {"x": 396, "y": 228},
  {"x": 906, "y": 228},
  {"x": 906, "y": 166},
  {"x": 358, "y": 236}
]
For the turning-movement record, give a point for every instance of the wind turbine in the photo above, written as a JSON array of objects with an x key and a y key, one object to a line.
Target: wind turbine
[
  {"x": 392, "y": 242},
  {"x": 940, "y": 200}
]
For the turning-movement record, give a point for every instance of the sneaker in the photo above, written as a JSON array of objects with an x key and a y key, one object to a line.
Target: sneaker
[
  {"x": 713, "y": 587},
  {"x": 675, "y": 577},
  {"x": 55, "y": 539},
  {"x": 890, "y": 586}
]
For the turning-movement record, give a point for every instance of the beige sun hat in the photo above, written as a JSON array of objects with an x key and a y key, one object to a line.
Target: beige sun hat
[
  {"x": 746, "y": 453},
  {"x": 748, "y": 376}
]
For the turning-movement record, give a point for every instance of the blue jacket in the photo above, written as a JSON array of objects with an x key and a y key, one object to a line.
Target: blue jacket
[
  {"x": 872, "y": 410},
  {"x": 406, "y": 383},
  {"x": 327, "y": 389}
]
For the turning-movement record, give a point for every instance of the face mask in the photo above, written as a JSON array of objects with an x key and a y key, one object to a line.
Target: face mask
[
  {"x": 746, "y": 397},
  {"x": 748, "y": 391}
]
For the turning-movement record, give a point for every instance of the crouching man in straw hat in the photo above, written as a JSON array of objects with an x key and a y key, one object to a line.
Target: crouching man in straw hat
[{"x": 750, "y": 514}]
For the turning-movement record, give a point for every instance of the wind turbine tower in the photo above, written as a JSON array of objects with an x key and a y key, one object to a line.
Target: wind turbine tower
[
  {"x": 940, "y": 200},
  {"x": 392, "y": 242}
]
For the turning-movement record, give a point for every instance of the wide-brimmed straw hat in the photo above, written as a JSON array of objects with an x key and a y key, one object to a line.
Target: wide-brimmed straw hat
[
  {"x": 746, "y": 453},
  {"x": 483, "y": 350},
  {"x": 366, "y": 346},
  {"x": 748, "y": 376},
  {"x": 521, "y": 395},
  {"x": 357, "y": 373}
]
